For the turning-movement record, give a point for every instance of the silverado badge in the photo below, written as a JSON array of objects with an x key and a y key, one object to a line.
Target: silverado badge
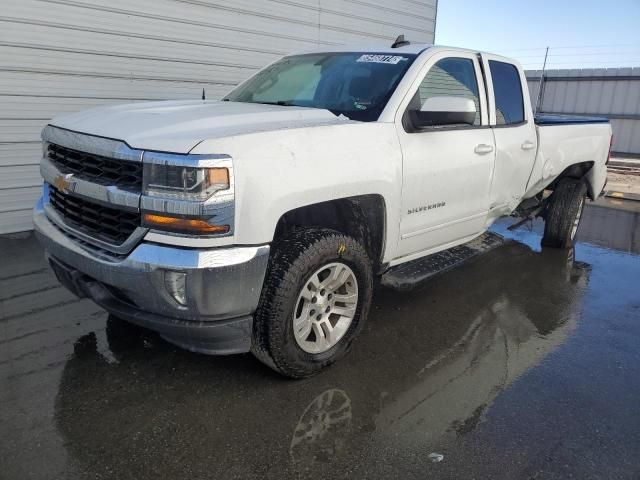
[
  {"x": 64, "y": 183},
  {"x": 424, "y": 208}
]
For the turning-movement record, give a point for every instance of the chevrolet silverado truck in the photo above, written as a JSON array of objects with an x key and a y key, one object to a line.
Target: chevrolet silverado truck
[{"x": 260, "y": 222}]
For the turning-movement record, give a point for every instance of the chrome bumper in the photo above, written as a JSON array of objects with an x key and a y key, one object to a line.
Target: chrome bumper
[{"x": 222, "y": 285}]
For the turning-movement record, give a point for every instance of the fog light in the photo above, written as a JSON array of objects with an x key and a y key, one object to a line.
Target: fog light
[{"x": 176, "y": 285}]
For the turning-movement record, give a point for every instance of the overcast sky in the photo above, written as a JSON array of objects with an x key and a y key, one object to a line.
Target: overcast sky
[{"x": 581, "y": 34}]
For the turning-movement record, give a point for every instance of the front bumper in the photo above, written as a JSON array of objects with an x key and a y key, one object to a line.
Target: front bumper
[{"x": 222, "y": 286}]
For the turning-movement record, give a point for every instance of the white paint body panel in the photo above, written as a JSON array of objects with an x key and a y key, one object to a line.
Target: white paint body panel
[
  {"x": 562, "y": 146},
  {"x": 516, "y": 148},
  {"x": 434, "y": 161},
  {"x": 278, "y": 171},
  {"x": 178, "y": 126}
]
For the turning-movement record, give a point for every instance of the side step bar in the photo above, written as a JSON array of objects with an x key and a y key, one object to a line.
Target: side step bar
[{"x": 408, "y": 275}]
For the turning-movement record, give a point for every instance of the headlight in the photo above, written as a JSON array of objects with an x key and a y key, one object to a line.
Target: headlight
[
  {"x": 184, "y": 183},
  {"x": 186, "y": 194}
]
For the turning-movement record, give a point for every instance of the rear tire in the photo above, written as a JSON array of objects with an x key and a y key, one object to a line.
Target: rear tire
[
  {"x": 298, "y": 260},
  {"x": 564, "y": 213}
]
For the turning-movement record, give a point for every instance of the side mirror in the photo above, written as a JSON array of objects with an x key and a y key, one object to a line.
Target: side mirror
[{"x": 444, "y": 111}]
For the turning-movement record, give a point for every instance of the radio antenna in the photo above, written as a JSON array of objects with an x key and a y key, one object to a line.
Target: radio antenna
[
  {"x": 400, "y": 42},
  {"x": 541, "y": 84}
]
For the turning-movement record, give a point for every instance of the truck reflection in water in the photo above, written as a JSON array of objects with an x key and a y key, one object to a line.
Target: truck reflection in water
[{"x": 427, "y": 368}]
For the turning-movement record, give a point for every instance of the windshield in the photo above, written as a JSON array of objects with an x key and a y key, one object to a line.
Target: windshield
[{"x": 357, "y": 85}]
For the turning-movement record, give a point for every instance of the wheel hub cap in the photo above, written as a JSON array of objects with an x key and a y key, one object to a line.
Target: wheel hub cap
[{"x": 325, "y": 307}]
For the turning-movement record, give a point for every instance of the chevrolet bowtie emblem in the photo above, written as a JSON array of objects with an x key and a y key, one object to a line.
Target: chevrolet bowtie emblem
[{"x": 64, "y": 183}]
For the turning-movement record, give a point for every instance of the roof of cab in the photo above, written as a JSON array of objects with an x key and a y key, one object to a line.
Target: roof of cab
[{"x": 413, "y": 48}]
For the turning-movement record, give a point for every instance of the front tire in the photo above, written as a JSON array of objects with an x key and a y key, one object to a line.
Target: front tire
[
  {"x": 315, "y": 298},
  {"x": 564, "y": 213}
]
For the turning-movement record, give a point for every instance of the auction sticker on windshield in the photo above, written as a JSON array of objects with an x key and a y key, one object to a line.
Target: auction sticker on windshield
[{"x": 392, "y": 59}]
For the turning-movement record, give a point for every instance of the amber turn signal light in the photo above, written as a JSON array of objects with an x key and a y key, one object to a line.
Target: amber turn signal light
[
  {"x": 182, "y": 225},
  {"x": 219, "y": 177}
]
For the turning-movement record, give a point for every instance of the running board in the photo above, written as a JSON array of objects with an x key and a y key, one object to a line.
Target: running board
[{"x": 408, "y": 275}]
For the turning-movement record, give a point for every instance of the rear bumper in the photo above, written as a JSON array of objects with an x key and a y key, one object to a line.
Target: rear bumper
[{"x": 222, "y": 287}]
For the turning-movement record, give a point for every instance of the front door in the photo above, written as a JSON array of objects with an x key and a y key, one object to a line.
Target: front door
[{"x": 446, "y": 170}]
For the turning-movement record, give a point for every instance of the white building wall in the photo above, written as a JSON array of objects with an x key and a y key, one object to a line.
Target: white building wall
[{"x": 66, "y": 55}]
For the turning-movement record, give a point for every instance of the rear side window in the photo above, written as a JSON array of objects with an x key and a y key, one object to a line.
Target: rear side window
[
  {"x": 508, "y": 92},
  {"x": 451, "y": 77}
]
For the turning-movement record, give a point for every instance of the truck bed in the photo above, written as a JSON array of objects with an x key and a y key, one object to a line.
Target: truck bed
[
  {"x": 556, "y": 119},
  {"x": 565, "y": 140}
]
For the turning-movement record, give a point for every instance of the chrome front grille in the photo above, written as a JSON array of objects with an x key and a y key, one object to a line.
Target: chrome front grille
[
  {"x": 110, "y": 225},
  {"x": 123, "y": 174}
]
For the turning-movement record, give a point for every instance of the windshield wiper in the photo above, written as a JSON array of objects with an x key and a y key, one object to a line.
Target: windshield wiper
[{"x": 283, "y": 103}]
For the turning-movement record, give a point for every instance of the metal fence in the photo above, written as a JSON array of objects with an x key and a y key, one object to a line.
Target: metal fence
[{"x": 606, "y": 92}]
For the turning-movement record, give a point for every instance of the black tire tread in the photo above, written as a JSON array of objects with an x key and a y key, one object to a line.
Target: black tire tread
[
  {"x": 290, "y": 255},
  {"x": 562, "y": 211}
]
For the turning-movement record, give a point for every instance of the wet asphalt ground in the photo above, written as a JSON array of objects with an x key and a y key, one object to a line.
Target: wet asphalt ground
[{"x": 521, "y": 363}]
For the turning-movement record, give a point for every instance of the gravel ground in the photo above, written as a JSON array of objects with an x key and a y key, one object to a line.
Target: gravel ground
[
  {"x": 623, "y": 183},
  {"x": 619, "y": 182}
]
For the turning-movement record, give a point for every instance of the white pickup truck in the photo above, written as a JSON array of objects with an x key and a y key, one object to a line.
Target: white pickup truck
[{"x": 259, "y": 222}]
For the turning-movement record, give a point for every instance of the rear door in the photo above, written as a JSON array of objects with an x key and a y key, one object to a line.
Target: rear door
[{"x": 511, "y": 121}]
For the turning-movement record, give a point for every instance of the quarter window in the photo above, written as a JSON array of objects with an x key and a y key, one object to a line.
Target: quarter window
[
  {"x": 508, "y": 92},
  {"x": 451, "y": 77}
]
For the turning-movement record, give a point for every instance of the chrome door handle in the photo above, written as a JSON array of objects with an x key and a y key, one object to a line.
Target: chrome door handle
[
  {"x": 483, "y": 149},
  {"x": 527, "y": 145}
]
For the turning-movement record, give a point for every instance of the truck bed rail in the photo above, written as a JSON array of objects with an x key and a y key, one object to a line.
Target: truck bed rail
[{"x": 556, "y": 119}]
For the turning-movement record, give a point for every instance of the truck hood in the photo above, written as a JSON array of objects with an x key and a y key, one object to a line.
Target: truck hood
[{"x": 178, "y": 126}]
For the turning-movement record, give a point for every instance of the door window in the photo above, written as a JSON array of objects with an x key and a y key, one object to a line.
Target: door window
[
  {"x": 451, "y": 77},
  {"x": 508, "y": 93}
]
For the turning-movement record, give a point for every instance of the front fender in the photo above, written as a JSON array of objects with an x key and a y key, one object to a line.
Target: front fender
[{"x": 279, "y": 171}]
